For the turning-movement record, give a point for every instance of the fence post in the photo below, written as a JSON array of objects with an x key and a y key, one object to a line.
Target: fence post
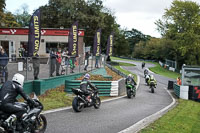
[{"x": 26, "y": 68}]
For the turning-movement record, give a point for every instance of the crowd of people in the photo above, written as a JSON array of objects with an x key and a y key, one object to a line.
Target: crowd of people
[{"x": 59, "y": 60}]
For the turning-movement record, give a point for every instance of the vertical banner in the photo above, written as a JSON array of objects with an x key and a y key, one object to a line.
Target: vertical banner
[
  {"x": 73, "y": 40},
  {"x": 34, "y": 34},
  {"x": 97, "y": 43},
  {"x": 109, "y": 51}
]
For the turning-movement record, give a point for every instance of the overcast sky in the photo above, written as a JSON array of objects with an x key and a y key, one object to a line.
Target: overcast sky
[{"x": 138, "y": 14}]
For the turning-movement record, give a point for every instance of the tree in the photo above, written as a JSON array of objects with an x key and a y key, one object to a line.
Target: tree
[
  {"x": 22, "y": 16},
  {"x": 2, "y": 7},
  {"x": 91, "y": 16},
  {"x": 134, "y": 36},
  {"x": 181, "y": 27}
]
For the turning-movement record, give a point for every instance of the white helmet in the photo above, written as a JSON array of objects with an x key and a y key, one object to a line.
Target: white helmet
[
  {"x": 18, "y": 78},
  {"x": 130, "y": 75}
]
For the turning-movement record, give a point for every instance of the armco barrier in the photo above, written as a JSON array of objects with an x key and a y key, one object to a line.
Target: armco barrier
[{"x": 106, "y": 88}]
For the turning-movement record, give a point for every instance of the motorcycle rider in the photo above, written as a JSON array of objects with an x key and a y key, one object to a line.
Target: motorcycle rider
[
  {"x": 146, "y": 72},
  {"x": 152, "y": 81},
  {"x": 8, "y": 94},
  {"x": 130, "y": 80},
  {"x": 84, "y": 86}
]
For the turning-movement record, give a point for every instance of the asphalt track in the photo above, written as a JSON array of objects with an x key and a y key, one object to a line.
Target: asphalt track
[{"x": 113, "y": 116}]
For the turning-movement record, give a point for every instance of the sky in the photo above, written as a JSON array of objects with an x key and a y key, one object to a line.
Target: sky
[{"x": 137, "y": 14}]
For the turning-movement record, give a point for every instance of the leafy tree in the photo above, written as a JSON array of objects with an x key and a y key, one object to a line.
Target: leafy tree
[
  {"x": 2, "y": 7},
  {"x": 91, "y": 16},
  {"x": 22, "y": 16},
  {"x": 134, "y": 36},
  {"x": 9, "y": 20},
  {"x": 180, "y": 26}
]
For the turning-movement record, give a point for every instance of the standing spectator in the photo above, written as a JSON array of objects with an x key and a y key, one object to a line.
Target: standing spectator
[
  {"x": 36, "y": 66},
  {"x": 3, "y": 63},
  {"x": 72, "y": 65},
  {"x": 22, "y": 54},
  {"x": 58, "y": 62},
  {"x": 63, "y": 63},
  {"x": 178, "y": 81},
  {"x": 97, "y": 61},
  {"x": 53, "y": 62},
  {"x": 87, "y": 55}
]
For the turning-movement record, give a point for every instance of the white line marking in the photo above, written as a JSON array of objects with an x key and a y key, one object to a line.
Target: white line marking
[{"x": 146, "y": 121}]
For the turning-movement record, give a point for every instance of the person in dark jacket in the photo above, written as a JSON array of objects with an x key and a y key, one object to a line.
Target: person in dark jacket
[
  {"x": 53, "y": 57},
  {"x": 36, "y": 66},
  {"x": 84, "y": 86},
  {"x": 3, "y": 63},
  {"x": 8, "y": 94},
  {"x": 87, "y": 55}
]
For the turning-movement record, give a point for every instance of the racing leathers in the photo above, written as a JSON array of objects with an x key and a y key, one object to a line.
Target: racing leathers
[
  {"x": 8, "y": 94},
  {"x": 130, "y": 81},
  {"x": 84, "y": 86}
]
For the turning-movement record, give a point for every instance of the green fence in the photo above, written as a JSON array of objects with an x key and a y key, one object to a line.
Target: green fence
[
  {"x": 40, "y": 86},
  {"x": 103, "y": 86}
]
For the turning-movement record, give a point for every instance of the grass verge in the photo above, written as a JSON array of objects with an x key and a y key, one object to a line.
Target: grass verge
[
  {"x": 57, "y": 98},
  {"x": 125, "y": 71},
  {"x": 164, "y": 72},
  {"x": 157, "y": 69},
  {"x": 185, "y": 118}
]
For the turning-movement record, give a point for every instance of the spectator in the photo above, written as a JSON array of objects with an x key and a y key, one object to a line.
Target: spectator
[
  {"x": 3, "y": 64},
  {"x": 58, "y": 61},
  {"x": 64, "y": 62},
  {"x": 178, "y": 81},
  {"x": 53, "y": 62},
  {"x": 87, "y": 55},
  {"x": 22, "y": 55},
  {"x": 97, "y": 61},
  {"x": 36, "y": 66}
]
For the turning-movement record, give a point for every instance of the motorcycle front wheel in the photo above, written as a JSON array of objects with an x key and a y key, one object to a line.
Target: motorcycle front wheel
[
  {"x": 129, "y": 93},
  {"x": 77, "y": 105},
  {"x": 41, "y": 124},
  {"x": 97, "y": 103}
]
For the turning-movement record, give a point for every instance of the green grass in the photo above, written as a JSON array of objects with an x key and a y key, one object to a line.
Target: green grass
[
  {"x": 57, "y": 98},
  {"x": 126, "y": 72},
  {"x": 164, "y": 72},
  {"x": 185, "y": 118},
  {"x": 157, "y": 69}
]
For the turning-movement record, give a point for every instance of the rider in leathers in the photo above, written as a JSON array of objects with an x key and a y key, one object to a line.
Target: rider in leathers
[
  {"x": 130, "y": 80},
  {"x": 84, "y": 86},
  {"x": 8, "y": 94}
]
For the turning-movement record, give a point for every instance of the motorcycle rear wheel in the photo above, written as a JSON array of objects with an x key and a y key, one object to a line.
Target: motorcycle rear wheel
[
  {"x": 152, "y": 89},
  {"x": 97, "y": 103},
  {"x": 41, "y": 122},
  {"x": 76, "y": 104}
]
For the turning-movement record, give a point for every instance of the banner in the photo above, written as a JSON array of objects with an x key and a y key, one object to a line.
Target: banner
[
  {"x": 34, "y": 34},
  {"x": 97, "y": 43},
  {"x": 109, "y": 51},
  {"x": 73, "y": 40}
]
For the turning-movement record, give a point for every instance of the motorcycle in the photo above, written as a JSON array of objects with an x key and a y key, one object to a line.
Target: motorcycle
[
  {"x": 130, "y": 90},
  {"x": 33, "y": 122},
  {"x": 80, "y": 101},
  {"x": 152, "y": 86}
]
